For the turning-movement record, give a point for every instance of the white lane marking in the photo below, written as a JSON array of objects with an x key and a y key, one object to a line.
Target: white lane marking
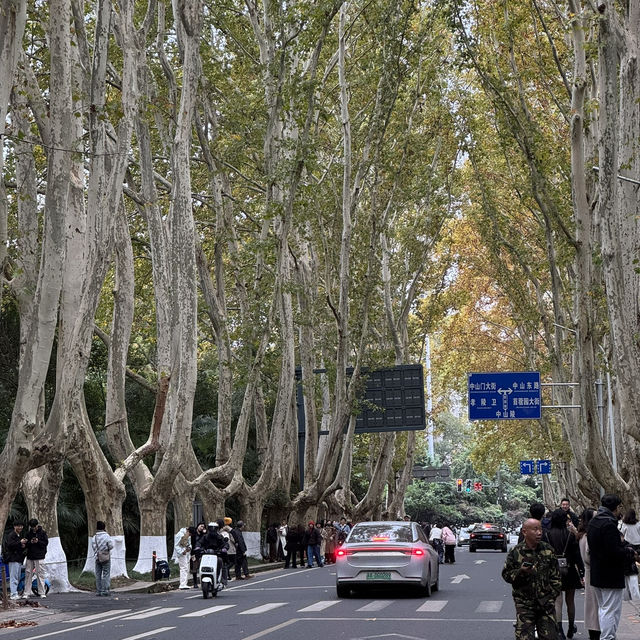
[
  {"x": 81, "y": 626},
  {"x": 149, "y": 633},
  {"x": 150, "y": 614},
  {"x": 262, "y": 608},
  {"x": 433, "y": 605},
  {"x": 104, "y": 614},
  {"x": 489, "y": 606},
  {"x": 319, "y": 606},
  {"x": 266, "y": 632},
  {"x": 376, "y": 605},
  {"x": 459, "y": 578},
  {"x": 206, "y": 612}
]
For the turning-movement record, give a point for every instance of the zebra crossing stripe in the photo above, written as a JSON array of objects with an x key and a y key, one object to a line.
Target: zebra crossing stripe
[
  {"x": 151, "y": 613},
  {"x": 433, "y": 606},
  {"x": 205, "y": 612},
  {"x": 104, "y": 614},
  {"x": 489, "y": 606},
  {"x": 318, "y": 606},
  {"x": 146, "y": 634},
  {"x": 262, "y": 608},
  {"x": 376, "y": 605}
]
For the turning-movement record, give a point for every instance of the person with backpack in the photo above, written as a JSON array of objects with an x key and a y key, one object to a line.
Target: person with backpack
[
  {"x": 242, "y": 566},
  {"x": 565, "y": 546},
  {"x": 102, "y": 545}
]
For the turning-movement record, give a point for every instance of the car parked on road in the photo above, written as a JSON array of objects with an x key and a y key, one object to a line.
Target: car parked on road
[
  {"x": 488, "y": 536},
  {"x": 386, "y": 553}
]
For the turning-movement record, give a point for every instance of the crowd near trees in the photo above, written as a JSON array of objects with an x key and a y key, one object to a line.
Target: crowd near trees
[{"x": 198, "y": 196}]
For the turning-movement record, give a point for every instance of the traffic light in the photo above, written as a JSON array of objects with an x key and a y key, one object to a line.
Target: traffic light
[
  {"x": 467, "y": 485},
  {"x": 477, "y": 486},
  {"x": 459, "y": 485}
]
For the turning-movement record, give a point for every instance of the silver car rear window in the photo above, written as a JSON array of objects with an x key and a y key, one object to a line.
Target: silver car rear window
[{"x": 381, "y": 533}]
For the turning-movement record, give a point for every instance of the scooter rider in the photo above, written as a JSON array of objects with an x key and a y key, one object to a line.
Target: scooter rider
[{"x": 215, "y": 543}]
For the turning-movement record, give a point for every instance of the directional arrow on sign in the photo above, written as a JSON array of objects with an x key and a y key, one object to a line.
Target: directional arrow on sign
[
  {"x": 460, "y": 578},
  {"x": 479, "y": 562}
]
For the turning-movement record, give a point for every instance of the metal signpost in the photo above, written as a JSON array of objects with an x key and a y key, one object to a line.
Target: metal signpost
[{"x": 514, "y": 395}]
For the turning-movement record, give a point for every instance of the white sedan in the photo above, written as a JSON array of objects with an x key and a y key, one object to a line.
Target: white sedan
[{"x": 386, "y": 553}]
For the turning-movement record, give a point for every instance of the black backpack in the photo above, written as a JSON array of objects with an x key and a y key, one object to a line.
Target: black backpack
[{"x": 162, "y": 570}]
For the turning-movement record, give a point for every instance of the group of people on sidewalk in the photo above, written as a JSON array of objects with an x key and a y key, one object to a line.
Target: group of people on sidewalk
[
  {"x": 26, "y": 549},
  {"x": 558, "y": 553},
  {"x": 316, "y": 543},
  {"x": 218, "y": 537}
]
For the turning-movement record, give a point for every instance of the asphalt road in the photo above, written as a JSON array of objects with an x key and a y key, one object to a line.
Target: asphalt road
[{"x": 473, "y": 603}]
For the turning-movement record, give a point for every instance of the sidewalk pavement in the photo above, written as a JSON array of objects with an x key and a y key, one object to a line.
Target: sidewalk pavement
[{"x": 36, "y": 611}]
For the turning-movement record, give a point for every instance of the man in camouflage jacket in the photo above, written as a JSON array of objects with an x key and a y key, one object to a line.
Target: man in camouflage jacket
[{"x": 532, "y": 569}]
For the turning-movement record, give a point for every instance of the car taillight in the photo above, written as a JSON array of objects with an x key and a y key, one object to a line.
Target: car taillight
[
  {"x": 473, "y": 535},
  {"x": 417, "y": 552},
  {"x": 341, "y": 553},
  {"x": 501, "y": 535}
]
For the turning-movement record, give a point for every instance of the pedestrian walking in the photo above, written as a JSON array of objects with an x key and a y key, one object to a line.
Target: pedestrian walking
[
  {"x": 610, "y": 558},
  {"x": 291, "y": 547},
  {"x": 302, "y": 543},
  {"x": 531, "y": 568},
  {"x": 449, "y": 541},
  {"x": 14, "y": 548},
  {"x": 182, "y": 553},
  {"x": 198, "y": 535},
  {"x": 591, "y": 622},
  {"x": 313, "y": 538},
  {"x": 37, "y": 542},
  {"x": 560, "y": 536},
  {"x": 241, "y": 566},
  {"x": 272, "y": 542},
  {"x": 231, "y": 553},
  {"x": 282, "y": 539},
  {"x": 435, "y": 538},
  {"x": 102, "y": 545}
]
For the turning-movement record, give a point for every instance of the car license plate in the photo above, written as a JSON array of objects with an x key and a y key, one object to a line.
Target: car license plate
[
  {"x": 487, "y": 537},
  {"x": 378, "y": 575}
]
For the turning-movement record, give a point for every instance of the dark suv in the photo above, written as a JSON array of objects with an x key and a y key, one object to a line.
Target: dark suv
[{"x": 488, "y": 536}]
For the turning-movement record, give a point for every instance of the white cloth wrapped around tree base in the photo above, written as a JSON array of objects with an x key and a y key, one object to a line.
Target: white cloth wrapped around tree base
[
  {"x": 149, "y": 544},
  {"x": 252, "y": 540},
  {"x": 118, "y": 558},
  {"x": 55, "y": 567}
]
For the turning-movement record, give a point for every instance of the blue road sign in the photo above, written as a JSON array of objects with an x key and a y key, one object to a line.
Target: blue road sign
[
  {"x": 543, "y": 466},
  {"x": 526, "y": 467},
  {"x": 513, "y": 395}
]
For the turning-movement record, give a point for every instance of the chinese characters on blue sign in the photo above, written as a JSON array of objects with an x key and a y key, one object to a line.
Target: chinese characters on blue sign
[{"x": 504, "y": 396}]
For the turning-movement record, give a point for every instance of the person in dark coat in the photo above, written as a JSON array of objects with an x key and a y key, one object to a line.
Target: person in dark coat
[
  {"x": 291, "y": 547},
  {"x": 565, "y": 545},
  {"x": 565, "y": 505},
  {"x": 198, "y": 535},
  {"x": 13, "y": 552},
  {"x": 241, "y": 567},
  {"x": 272, "y": 541},
  {"x": 610, "y": 557},
  {"x": 313, "y": 538},
  {"x": 302, "y": 545},
  {"x": 37, "y": 542}
]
